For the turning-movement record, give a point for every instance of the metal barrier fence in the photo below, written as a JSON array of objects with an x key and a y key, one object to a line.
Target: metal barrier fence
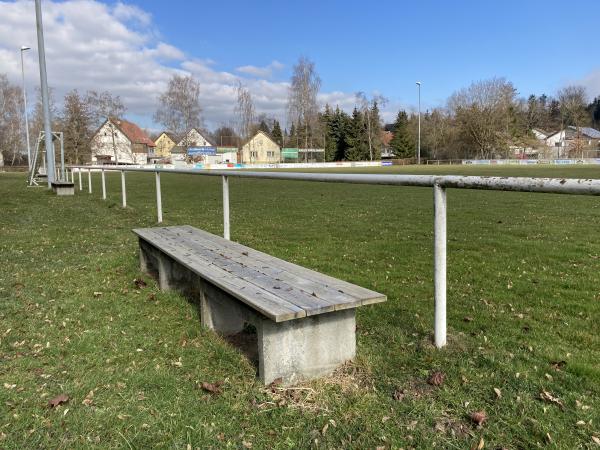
[{"x": 439, "y": 183}]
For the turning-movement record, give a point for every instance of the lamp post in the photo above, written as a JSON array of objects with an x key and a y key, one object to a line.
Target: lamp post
[
  {"x": 23, "y": 49},
  {"x": 419, "y": 138},
  {"x": 45, "y": 100}
]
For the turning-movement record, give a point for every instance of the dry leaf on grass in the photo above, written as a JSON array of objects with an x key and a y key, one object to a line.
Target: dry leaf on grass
[
  {"x": 139, "y": 283},
  {"x": 436, "y": 378},
  {"x": 97, "y": 294},
  {"x": 498, "y": 392},
  {"x": 479, "y": 445},
  {"x": 596, "y": 439},
  {"x": 478, "y": 417},
  {"x": 58, "y": 400},
  {"x": 213, "y": 388},
  {"x": 547, "y": 396}
]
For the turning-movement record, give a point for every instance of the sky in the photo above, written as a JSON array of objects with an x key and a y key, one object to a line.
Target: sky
[{"x": 132, "y": 48}]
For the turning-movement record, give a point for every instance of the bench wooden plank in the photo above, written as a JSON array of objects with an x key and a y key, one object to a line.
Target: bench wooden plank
[
  {"x": 254, "y": 296},
  {"x": 306, "y": 301},
  {"x": 365, "y": 295},
  {"x": 308, "y": 295},
  {"x": 330, "y": 294}
]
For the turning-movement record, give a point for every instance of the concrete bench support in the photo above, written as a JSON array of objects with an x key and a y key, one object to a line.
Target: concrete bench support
[
  {"x": 292, "y": 350},
  {"x": 63, "y": 188}
]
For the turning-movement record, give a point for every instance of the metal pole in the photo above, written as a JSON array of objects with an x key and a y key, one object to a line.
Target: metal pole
[
  {"x": 90, "y": 180},
  {"x": 158, "y": 198},
  {"x": 439, "y": 208},
  {"x": 123, "y": 191},
  {"x": 103, "y": 186},
  {"x": 25, "y": 109},
  {"x": 226, "y": 234},
  {"x": 419, "y": 140},
  {"x": 62, "y": 156},
  {"x": 44, "y": 87},
  {"x": 79, "y": 177}
]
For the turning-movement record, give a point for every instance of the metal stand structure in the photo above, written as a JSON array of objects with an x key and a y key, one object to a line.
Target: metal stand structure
[{"x": 34, "y": 173}]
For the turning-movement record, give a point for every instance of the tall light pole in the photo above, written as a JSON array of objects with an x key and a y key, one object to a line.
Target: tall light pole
[
  {"x": 419, "y": 138},
  {"x": 23, "y": 49},
  {"x": 45, "y": 100}
]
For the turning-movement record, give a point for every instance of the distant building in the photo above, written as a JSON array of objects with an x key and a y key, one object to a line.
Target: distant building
[
  {"x": 119, "y": 141},
  {"x": 193, "y": 138},
  {"x": 164, "y": 144},
  {"x": 260, "y": 149},
  {"x": 573, "y": 138}
]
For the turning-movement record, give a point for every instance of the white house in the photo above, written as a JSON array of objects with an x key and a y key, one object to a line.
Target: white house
[
  {"x": 119, "y": 141},
  {"x": 194, "y": 138},
  {"x": 261, "y": 149},
  {"x": 564, "y": 140}
]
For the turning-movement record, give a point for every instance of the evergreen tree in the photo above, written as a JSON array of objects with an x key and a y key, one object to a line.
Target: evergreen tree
[
  {"x": 292, "y": 141},
  {"x": 356, "y": 138},
  {"x": 263, "y": 126},
  {"x": 375, "y": 130},
  {"x": 401, "y": 143},
  {"x": 276, "y": 133}
]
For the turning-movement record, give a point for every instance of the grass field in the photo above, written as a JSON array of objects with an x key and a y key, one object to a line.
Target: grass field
[{"x": 523, "y": 309}]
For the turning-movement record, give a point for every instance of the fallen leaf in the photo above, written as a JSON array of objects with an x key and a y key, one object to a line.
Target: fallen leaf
[
  {"x": 97, "y": 294},
  {"x": 139, "y": 283},
  {"x": 59, "y": 399},
  {"x": 436, "y": 378},
  {"x": 596, "y": 439},
  {"x": 498, "y": 392},
  {"x": 214, "y": 388},
  {"x": 276, "y": 382},
  {"x": 558, "y": 365},
  {"x": 399, "y": 394},
  {"x": 479, "y": 445},
  {"x": 468, "y": 319},
  {"x": 247, "y": 444},
  {"x": 479, "y": 417},
  {"x": 88, "y": 400},
  {"x": 547, "y": 396}
]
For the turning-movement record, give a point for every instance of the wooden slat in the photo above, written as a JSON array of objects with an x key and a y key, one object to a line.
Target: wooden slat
[
  {"x": 309, "y": 303},
  {"x": 330, "y": 294},
  {"x": 283, "y": 290},
  {"x": 367, "y": 296},
  {"x": 257, "y": 298}
]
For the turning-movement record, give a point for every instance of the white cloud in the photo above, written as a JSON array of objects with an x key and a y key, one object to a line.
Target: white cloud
[
  {"x": 261, "y": 72},
  {"x": 592, "y": 84},
  {"x": 92, "y": 45}
]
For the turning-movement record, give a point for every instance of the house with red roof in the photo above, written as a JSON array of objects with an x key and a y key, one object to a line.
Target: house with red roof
[{"x": 119, "y": 141}]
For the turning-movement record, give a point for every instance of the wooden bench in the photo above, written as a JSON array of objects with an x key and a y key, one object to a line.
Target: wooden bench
[
  {"x": 63, "y": 188},
  {"x": 304, "y": 320}
]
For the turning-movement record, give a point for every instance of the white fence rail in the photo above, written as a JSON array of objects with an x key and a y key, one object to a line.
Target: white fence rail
[{"x": 439, "y": 183}]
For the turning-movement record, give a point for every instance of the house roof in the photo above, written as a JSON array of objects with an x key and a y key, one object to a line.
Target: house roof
[
  {"x": 203, "y": 135},
  {"x": 263, "y": 133},
  {"x": 134, "y": 133},
  {"x": 168, "y": 134},
  {"x": 587, "y": 131}
]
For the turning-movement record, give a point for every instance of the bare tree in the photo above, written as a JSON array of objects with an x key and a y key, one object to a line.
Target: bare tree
[
  {"x": 76, "y": 124},
  {"x": 11, "y": 114},
  {"x": 303, "y": 109},
  {"x": 573, "y": 104},
  {"x": 482, "y": 113},
  {"x": 368, "y": 107},
  {"x": 179, "y": 107},
  {"x": 244, "y": 111},
  {"x": 102, "y": 105}
]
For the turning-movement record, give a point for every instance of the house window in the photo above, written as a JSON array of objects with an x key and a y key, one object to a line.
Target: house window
[
  {"x": 253, "y": 154},
  {"x": 270, "y": 154}
]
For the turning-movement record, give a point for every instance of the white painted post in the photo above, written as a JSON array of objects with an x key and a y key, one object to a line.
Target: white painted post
[
  {"x": 103, "y": 186},
  {"x": 226, "y": 234},
  {"x": 90, "y": 180},
  {"x": 439, "y": 208},
  {"x": 79, "y": 177},
  {"x": 123, "y": 192},
  {"x": 158, "y": 198}
]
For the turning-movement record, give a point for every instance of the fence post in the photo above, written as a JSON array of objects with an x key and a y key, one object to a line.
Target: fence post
[
  {"x": 90, "y": 180},
  {"x": 226, "y": 234},
  {"x": 439, "y": 208},
  {"x": 79, "y": 177},
  {"x": 103, "y": 186},
  {"x": 158, "y": 198},
  {"x": 123, "y": 192}
]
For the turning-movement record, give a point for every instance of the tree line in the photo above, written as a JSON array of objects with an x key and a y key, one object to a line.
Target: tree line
[{"x": 483, "y": 120}]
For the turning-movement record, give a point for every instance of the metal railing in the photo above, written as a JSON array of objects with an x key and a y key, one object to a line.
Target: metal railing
[{"x": 439, "y": 183}]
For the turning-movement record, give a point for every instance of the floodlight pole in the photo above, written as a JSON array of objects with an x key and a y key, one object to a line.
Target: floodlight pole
[
  {"x": 23, "y": 49},
  {"x": 45, "y": 99},
  {"x": 419, "y": 139}
]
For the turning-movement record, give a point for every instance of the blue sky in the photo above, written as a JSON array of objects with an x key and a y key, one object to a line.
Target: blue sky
[
  {"x": 387, "y": 46},
  {"x": 132, "y": 47}
]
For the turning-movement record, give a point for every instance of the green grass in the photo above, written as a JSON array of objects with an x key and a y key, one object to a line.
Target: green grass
[{"x": 523, "y": 292}]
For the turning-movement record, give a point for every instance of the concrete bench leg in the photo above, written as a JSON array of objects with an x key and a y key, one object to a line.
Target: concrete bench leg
[
  {"x": 305, "y": 348},
  {"x": 220, "y": 312}
]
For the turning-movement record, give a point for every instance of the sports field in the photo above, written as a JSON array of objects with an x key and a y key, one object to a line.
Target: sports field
[{"x": 523, "y": 309}]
